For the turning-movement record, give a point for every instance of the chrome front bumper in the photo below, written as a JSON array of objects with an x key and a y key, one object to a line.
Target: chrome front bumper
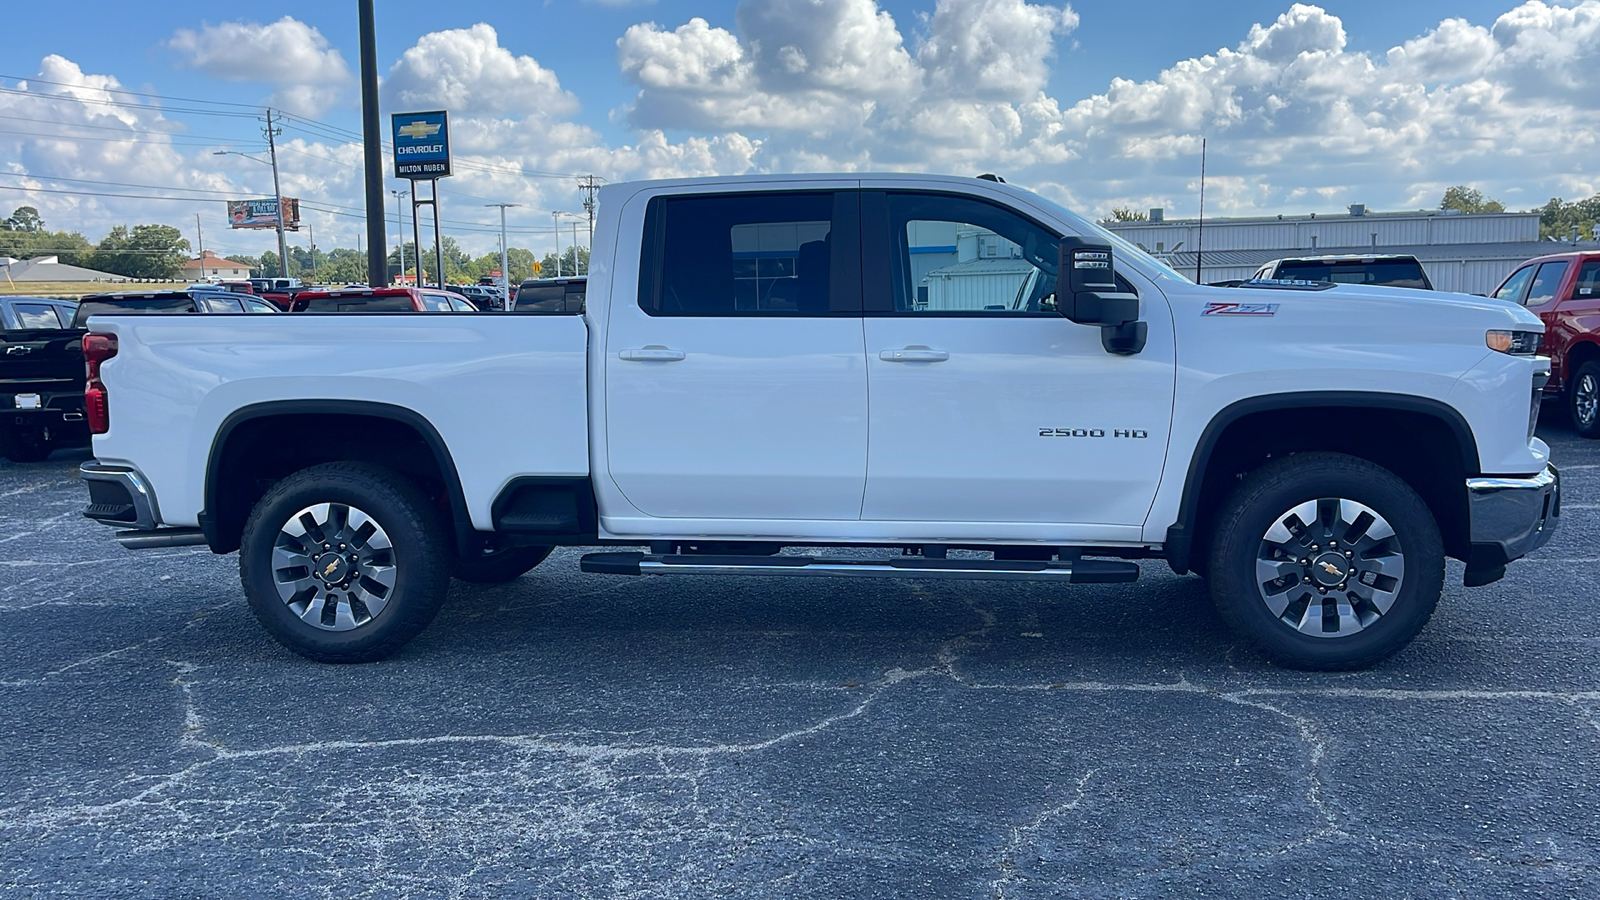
[{"x": 1511, "y": 517}]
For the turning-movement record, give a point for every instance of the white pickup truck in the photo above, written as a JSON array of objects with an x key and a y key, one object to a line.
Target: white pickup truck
[{"x": 955, "y": 373}]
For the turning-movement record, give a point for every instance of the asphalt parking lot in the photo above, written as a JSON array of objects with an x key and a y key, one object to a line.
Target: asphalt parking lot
[{"x": 588, "y": 736}]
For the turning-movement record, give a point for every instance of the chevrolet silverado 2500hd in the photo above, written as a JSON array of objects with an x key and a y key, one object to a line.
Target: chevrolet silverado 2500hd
[{"x": 956, "y": 372}]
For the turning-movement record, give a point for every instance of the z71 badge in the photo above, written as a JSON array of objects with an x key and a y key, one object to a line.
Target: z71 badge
[{"x": 1220, "y": 308}]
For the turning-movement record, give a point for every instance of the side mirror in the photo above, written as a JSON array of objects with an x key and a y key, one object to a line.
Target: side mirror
[{"x": 1087, "y": 294}]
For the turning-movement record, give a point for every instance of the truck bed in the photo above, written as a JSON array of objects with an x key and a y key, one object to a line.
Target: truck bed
[{"x": 507, "y": 395}]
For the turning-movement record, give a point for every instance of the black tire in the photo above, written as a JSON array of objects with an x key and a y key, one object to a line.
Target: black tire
[
  {"x": 498, "y": 566},
  {"x": 25, "y": 448},
  {"x": 417, "y": 553},
  {"x": 1240, "y": 534},
  {"x": 1582, "y": 392}
]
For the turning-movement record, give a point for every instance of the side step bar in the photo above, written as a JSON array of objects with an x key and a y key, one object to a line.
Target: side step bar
[
  {"x": 1082, "y": 571},
  {"x": 161, "y": 537}
]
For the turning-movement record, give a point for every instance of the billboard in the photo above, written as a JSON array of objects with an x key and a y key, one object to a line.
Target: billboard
[
  {"x": 421, "y": 145},
  {"x": 263, "y": 213}
]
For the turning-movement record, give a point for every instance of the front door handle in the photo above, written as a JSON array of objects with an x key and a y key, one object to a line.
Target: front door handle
[
  {"x": 914, "y": 354},
  {"x": 652, "y": 353}
]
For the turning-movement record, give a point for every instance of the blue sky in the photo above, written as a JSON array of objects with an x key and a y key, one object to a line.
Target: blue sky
[{"x": 1097, "y": 104}]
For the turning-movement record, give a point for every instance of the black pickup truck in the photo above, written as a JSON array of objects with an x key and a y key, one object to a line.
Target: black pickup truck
[{"x": 41, "y": 378}]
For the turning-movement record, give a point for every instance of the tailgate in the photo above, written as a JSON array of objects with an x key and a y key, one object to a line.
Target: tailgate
[{"x": 48, "y": 362}]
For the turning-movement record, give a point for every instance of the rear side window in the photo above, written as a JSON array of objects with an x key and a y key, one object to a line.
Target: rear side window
[
  {"x": 36, "y": 315},
  {"x": 1545, "y": 283},
  {"x": 178, "y": 303},
  {"x": 770, "y": 254},
  {"x": 435, "y": 302},
  {"x": 1588, "y": 284},
  {"x": 460, "y": 304}
]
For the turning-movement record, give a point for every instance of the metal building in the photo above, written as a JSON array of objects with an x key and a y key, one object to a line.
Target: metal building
[{"x": 1469, "y": 253}]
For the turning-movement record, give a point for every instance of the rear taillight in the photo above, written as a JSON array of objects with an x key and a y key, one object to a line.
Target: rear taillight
[{"x": 97, "y": 348}]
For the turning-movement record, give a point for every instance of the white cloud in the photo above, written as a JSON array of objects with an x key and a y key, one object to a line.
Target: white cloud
[
  {"x": 309, "y": 75},
  {"x": 466, "y": 71},
  {"x": 994, "y": 49}
]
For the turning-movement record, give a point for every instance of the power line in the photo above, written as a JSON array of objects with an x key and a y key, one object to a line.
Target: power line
[
  {"x": 79, "y": 137},
  {"x": 117, "y": 103},
  {"x": 155, "y": 187},
  {"x": 121, "y": 91}
]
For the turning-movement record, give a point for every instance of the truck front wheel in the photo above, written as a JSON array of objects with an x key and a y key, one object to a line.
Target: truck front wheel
[
  {"x": 1326, "y": 561},
  {"x": 343, "y": 562}
]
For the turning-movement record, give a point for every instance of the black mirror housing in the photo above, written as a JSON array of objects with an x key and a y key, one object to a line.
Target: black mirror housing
[{"x": 1087, "y": 294}]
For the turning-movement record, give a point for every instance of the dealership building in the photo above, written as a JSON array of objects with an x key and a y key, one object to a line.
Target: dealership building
[{"x": 1463, "y": 252}]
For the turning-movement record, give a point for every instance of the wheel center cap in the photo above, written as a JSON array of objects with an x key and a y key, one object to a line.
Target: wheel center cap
[
  {"x": 332, "y": 568},
  {"x": 1329, "y": 569}
]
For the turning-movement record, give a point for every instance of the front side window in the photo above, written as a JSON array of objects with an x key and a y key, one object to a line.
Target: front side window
[
  {"x": 220, "y": 303},
  {"x": 767, "y": 254},
  {"x": 951, "y": 255},
  {"x": 1545, "y": 283},
  {"x": 435, "y": 302}
]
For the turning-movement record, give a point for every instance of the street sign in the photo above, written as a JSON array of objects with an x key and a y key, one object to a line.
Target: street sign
[
  {"x": 263, "y": 213},
  {"x": 421, "y": 145}
]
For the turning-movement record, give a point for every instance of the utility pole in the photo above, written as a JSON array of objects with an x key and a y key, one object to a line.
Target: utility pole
[
  {"x": 311, "y": 233},
  {"x": 200, "y": 245},
  {"x": 1200, "y": 232},
  {"x": 505, "y": 268},
  {"x": 575, "y": 249},
  {"x": 400, "y": 224},
  {"x": 556, "y": 218},
  {"x": 587, "y": 185},
  {"x": 277, "y": 194},
  {"x": 372, "y": 148}
]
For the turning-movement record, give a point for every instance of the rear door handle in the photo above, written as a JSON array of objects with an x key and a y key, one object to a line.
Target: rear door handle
[
  {"x": 652, "y": 353},
  {"x": 914, "y": 354}
]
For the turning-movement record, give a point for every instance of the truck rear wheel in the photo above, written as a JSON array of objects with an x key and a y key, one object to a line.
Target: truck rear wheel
[
  {"x": 343, "y": 562},
  {"x": 1326, "y": 561},
  {"x": 1583, "y": 399}
]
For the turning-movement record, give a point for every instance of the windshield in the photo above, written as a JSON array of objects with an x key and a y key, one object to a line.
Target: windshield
[
  {"x": 1387, "y": 272},
  {"x": 1122, "y": 247},
  {"x": 175, "y": 303}
]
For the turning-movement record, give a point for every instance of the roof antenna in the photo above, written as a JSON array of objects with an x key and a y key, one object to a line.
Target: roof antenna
[{"x": 1200, "y": 237}]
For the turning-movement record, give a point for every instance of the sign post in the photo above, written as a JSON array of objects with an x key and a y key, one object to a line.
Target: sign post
[{"x": 422, "y": 153}]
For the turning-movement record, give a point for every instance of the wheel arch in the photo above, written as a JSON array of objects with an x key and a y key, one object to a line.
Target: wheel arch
[
  {"x": 399, "y": 438},
  {"x": 1442, "y": 454}
]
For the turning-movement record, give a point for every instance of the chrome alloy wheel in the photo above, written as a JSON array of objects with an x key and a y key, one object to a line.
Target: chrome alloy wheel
[
  {"x": 1329, "y": 568},
  {"x": 1586, "y": 398},
  {"x": 333, "y": 566}
]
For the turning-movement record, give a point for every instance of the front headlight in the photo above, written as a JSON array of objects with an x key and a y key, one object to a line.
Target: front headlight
[{"x": 1516, "y": 343}]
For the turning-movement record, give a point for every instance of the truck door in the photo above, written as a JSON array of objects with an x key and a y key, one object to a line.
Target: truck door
[
  {"x": 735, "y": 379},
  {"x": 987, "y": 407}
]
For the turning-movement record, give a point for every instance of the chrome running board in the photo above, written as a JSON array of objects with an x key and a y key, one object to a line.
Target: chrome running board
[{"x": 1082, "y": 571}]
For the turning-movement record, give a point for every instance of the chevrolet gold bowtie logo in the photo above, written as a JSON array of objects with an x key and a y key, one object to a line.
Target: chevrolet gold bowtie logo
[
  {"x": 419, "y": 130},
  {"x": 1330, "y": 567},
  {"x": 335, "y": 564}
]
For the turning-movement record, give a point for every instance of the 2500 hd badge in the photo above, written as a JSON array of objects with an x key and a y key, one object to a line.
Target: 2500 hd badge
[{"x": 1093, "y": 432}]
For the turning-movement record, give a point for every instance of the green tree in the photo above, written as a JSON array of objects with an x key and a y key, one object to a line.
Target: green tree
[
  {"x": 24, "y": 218},
  {"x": 568, "y": 255},
  {"x": 1469, "y": 200},
  {"x": 145, "y": 251},
  {"x": 1558, "y": 218},
  {"x": 269, "y": 265},
  {"x": 343, "y": 266},
  {"x": 1124, "y": 214}
]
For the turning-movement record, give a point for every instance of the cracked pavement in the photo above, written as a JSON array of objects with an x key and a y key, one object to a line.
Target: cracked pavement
[{"x": 573, "y": 735}]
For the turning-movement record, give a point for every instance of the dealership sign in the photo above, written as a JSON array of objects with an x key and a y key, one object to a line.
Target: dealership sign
[
  {"x": 263, "y": 213},
  {"x": 421, "y": 145}
]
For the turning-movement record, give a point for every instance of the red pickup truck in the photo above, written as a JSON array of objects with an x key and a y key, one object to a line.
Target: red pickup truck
[{"x": 1564, "y": 290}]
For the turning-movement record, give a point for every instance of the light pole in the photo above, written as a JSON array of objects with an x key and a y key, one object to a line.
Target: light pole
[
  {"x": 556, "y": 217},
  {"x": 400, "y": 223},
  {"x": 505, "y": 268},
  {"x": 283, "y": 246}
]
